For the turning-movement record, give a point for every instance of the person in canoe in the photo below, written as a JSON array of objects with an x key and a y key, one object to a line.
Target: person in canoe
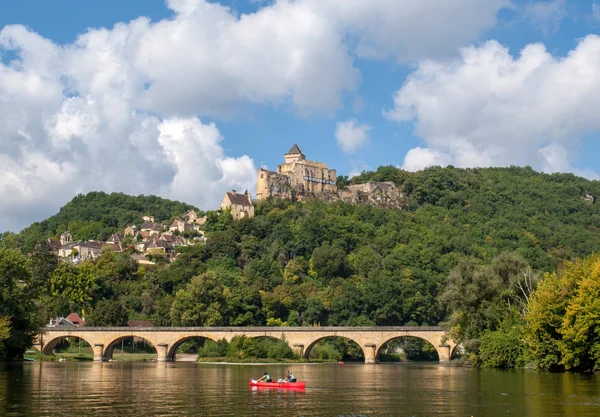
[
  {"x": 290, "y": 377},
  {"x": 266, "y": 378}
]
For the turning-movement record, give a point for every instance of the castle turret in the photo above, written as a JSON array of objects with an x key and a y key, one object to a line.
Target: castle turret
[{"x": 294, "y": 154}]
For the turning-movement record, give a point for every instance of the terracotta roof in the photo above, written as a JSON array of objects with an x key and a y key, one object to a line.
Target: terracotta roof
[
  {"x": 239, "y": 199},
  {"x": 295, "y": 149},
  {"x": 75, "y": 319}
]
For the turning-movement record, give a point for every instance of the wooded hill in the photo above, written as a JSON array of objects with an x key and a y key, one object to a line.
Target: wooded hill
[
  {"x": 97, "y": 215},
  {"x": 305, "y": 263}
]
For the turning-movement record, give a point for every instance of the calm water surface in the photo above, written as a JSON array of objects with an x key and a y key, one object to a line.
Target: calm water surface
[{"x": 179, "y": 389}]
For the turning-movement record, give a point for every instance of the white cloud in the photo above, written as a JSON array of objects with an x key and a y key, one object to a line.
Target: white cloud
[
  {"x": 546, "y": 15},
  {"x": 491, "y": 108},
  {"x": 351, "y": 136},
  {"x": 410, "y": 30},
  {"x": 117, "y": 109},
  {"x": 419, "y": 158},
  {"x": 595, "y": 12}
]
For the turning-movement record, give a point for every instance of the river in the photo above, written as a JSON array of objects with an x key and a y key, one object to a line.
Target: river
[{"x": 180, "y": 389}]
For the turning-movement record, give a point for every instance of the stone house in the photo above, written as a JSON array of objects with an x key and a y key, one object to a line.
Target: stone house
[
  {"x": 190, "y": 216},
  {"x": 115, "y": 238},
  {"x": 89, "y": 249},
  {"x": 240, "y": 205},
  {"x": 152, "y": 228},
  {"x": 130, "y": 231},
  {"x": 180, "y": 226},
  {"x": 148, "y": 219},
  {"x": 54, "y": 244}
]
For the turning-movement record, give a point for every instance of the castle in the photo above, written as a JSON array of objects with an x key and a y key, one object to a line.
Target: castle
[{"x": 298, "y": 178}]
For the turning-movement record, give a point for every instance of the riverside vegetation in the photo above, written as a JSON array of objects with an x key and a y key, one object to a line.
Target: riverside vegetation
[{"x": 503, "y": 256}]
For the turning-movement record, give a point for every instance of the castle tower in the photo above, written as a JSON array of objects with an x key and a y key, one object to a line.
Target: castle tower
[{"x": 295, "y": 154}]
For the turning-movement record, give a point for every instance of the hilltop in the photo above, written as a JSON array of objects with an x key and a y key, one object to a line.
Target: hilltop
[
  {"x": 97, "y": 215},
  {"x": 476, "y": 212}
]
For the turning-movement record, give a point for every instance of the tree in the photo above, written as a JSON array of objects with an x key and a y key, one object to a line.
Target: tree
[
  {"x": 329, "y": 262},
  {"x": 201, "y": 303},
  {"x": 562, "y": 321},
  {"x": 481, "y": 298},
  {"x": 67, "y": 280},
  {"x": 16, "y": 305},
  {"x": 108, "y": 313}
]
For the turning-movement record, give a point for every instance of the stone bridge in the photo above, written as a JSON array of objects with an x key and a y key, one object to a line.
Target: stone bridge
[{"x": 165, "y": 340}]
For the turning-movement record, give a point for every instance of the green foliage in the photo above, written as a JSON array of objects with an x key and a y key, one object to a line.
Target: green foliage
[
  {"x": 563, "y": 326},
  {"x": 503, "y": 348},
  {"x": 4, "y": 331},
  {"x": 481, "y": 297},
  {"x": 201, "y": 303},
  {"x": 242, "y": 347},
  {"x": 17, "y": 311},
  {"x": 108, "y": 313}
]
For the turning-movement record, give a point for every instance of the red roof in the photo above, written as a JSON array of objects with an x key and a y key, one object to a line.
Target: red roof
[{"x": 75, "y": 319}]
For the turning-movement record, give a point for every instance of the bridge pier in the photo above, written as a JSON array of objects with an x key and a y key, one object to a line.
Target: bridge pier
[
  {"x": 161, "y": 352},
  {"x": 98, "y": 349},
  {"x": 298, "y": 349},
  {"x": 370, "y": 353},
  {"x": 443, "y": 353}
]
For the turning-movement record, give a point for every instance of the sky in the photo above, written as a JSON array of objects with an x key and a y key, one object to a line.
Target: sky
[{"x": 185, "y": 99}]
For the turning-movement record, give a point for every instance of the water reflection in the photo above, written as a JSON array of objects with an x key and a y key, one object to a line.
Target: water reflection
[{"x": 144, "y": 389}]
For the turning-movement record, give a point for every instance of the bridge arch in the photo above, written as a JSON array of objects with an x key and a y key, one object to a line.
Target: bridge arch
[
  {"x": 311, "y": 345},
  {"x": 406, "y": 338},
  {"x": 50, "y": 345},
  {"x": 112, "y": 344},
  {"x": 172, "y": 350},
  {"x": 444, "y": 351}
]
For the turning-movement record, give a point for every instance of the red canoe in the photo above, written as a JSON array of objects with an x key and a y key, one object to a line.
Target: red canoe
[{"x": 275, "y": 384}]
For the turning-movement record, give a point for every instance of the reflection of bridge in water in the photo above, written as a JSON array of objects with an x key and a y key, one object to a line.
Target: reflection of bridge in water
[{"x": 165, "y": 340}]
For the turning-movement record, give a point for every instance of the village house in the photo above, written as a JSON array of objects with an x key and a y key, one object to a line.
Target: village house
[
  {"x": 81, "y": 250},
  {"x": 180, "y": 226},
  {"x": 190, "y": 216},
  {"x": 152, "y": 228},
  {"x": 201, "y": 220},
  {"x": 240, "y": 205},
  {"x": 130, "y": 231},
  {"x": 115, "y": 239},
  {"x": 148, "y": 219},
  {"x": 54, "y": 244}
]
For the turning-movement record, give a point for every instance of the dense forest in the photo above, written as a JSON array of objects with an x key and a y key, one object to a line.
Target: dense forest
[{"x": 468, "y": 251}]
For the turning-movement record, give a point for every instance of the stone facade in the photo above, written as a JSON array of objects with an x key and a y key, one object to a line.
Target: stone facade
[
  {"x": 302, "y": 339},
  {"x": 298, "y": 178},
  {"x": 240, "y": 205}
]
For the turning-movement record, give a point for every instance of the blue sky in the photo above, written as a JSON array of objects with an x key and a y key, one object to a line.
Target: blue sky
[{"x": 185, "y": 98}]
